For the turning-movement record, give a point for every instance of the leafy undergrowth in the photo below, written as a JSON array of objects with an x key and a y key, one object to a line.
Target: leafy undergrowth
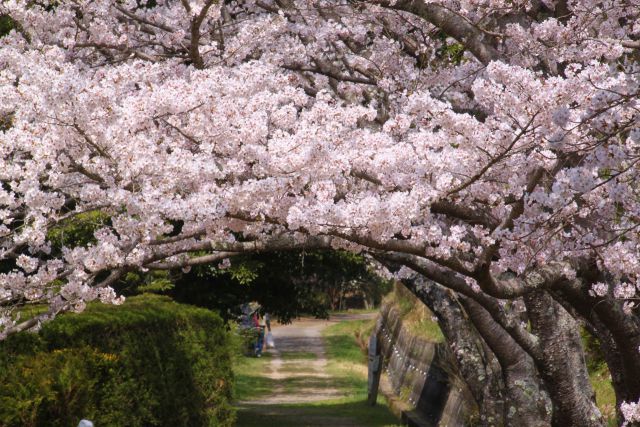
[{"x": 147, "y": 362}]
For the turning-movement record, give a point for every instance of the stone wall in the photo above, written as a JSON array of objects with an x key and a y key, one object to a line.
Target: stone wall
[{"x": 421, "y": 372}]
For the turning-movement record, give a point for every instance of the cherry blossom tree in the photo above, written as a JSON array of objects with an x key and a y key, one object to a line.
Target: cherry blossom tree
[{"x": 488, "y": 148}]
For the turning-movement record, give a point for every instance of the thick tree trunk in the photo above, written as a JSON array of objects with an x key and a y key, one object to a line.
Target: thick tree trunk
[
  {"x": 477, "y": 365},
  {"x": 625, "y": 332},
  {"x": 618, "y": 333},
  {"x": 527, "y": 404},
  {"x": 562, "y": 364}
]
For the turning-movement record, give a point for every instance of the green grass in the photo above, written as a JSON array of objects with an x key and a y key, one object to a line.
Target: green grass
[
  {"x": 345, "y": 359},
  {"x": 605, "y": 395},
  {"x": 427, "y": 329},
  {"x": 250, "y": 380},
  {"x": 600, "y": 377},
  {"x": 354, "y": 311},
  {"x": 340, "y": 340},
  {"x": 405, "y": 303},
  {"x": 416, "y": 317},
  {"x": 32, "y": 310},
  {"x": 297, "y": 384},
  {"x": 294, "y": 368}
]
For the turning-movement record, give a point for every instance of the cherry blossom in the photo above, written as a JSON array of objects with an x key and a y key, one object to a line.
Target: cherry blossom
[{"x": 494, "y": 142}]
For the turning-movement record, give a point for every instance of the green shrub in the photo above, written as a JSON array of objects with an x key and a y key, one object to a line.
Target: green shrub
[{"x": 150, "y": 362}]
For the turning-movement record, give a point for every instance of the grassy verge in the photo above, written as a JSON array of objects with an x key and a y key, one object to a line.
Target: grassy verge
[
  {"x": 345, "y": 360},
  {"x": 353, "y": 311},
  {"x": 605, "y": 396},
  {"x": 251, "y": 382},
  {"x": 298, "y": 355},
  {"x": 415, "y": 315}
]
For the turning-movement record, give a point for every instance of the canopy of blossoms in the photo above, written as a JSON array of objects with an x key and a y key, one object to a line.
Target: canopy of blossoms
[{"x": 493, "y": 146}]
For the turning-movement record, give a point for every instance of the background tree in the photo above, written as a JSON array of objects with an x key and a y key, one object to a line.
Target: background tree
[{"x": 286, "y": 284}]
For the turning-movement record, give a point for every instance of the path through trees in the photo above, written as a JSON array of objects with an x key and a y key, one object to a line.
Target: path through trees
[{"x": 302, "y": 386}]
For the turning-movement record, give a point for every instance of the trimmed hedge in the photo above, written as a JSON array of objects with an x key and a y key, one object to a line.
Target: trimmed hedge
[{"x": 149, "y": 362}]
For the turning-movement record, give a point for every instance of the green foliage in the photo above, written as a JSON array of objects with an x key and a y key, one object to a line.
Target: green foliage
[
  {"x": 152, "y": 282},
  {"x": 454, "y": 52},
  {"x": 593, "y": 351},
  {"x": 77, "y": 230},
  {"x": 286, "y": 284},
  {"x": 604, "y": 173},
  {"x": 157, "y": 285},
  {"x": 50, "y": 386},
  {"x": 6, "y": 25},
  {"x": 150, "y": 362},
  {"x": 244, "y": 272},
  {"x": 450, "y": 52}
]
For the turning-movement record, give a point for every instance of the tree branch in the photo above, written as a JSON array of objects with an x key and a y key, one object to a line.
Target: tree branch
[{"x": 475, "y": 40}]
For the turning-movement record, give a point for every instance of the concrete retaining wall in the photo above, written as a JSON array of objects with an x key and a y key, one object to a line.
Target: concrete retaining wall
[{"x": 421, "y": 373}]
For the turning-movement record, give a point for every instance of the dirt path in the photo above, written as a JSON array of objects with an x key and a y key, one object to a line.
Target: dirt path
[
  {"x": 304, "y": 389},
  {"x": 298, "y": 363}
]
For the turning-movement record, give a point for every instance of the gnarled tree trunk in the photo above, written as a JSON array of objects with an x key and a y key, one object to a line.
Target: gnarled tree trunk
[
  {"x": 618, "y": 333},
  {"x": 477, "y": 365},
  {"x": 562, "y": 363},
  {"x": 527, "y": 403}
]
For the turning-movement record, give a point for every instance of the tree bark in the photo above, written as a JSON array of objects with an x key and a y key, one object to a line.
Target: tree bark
[
  {"x": 477, "y": 365},
  {"x": 618, "y": 333},
  {"x": 527, "y": 404},
  {"x": 562, "y": 364}
]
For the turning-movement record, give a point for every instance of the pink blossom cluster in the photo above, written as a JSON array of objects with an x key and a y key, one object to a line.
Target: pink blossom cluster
[{"x": 630, "y": 412}]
